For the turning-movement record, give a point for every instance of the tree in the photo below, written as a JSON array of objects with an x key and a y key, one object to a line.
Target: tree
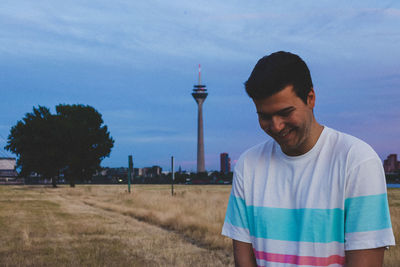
[
  {"x": 86, "y": 142},
  {"x": 34, "y": 140},
  {"x": 72, "y": 141}
]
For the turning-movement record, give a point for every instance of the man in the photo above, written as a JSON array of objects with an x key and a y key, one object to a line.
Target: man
[{"x": 310, "y": 196}]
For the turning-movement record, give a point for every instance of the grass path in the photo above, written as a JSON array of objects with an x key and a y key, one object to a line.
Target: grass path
[{"x": 175, "y": 244}]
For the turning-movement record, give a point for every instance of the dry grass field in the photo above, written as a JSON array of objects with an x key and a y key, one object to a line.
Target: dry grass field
[
  {"x": 392, "y": 256},
  {"x": 106, "y": 226}
]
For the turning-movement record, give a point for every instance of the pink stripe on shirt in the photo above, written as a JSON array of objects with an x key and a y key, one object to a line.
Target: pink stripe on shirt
[{"x": 300, "y": 260}]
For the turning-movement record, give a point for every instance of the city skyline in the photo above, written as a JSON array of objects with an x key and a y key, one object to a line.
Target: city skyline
[{"x": 135, "y": 62}]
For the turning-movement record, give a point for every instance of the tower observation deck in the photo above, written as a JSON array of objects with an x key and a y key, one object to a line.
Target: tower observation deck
[{"x": 200, "y": 94}]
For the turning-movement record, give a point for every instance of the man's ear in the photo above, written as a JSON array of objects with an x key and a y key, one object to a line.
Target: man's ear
[{"x": 311, "y": 98}]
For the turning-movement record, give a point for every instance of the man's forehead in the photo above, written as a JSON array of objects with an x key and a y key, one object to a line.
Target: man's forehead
[
  {"x": 284, "y": 97},
  {"x": 262, "y": 111}
]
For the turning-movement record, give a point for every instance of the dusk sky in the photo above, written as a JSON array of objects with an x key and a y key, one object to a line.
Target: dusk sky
[{"x": 136, "y": 63}]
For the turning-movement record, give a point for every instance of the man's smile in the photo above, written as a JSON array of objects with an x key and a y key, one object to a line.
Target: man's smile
[{"x": 284, "y": 134}]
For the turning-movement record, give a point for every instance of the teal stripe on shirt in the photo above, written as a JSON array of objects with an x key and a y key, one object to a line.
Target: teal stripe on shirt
[
  {"x": 307, "y": 225},
  {"x": 367, "y": 213},
  {"x": 236, "y": 212}
]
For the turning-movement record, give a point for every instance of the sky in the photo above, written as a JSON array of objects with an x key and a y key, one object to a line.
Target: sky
[{"x": 136, "y": 62}]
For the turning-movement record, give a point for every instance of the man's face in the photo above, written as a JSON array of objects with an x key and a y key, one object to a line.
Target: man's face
[{"x": 287, "y": 119}]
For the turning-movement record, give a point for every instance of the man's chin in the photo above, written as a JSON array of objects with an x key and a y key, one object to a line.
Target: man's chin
[
  {"x": 289, "y": 149},
  {"x": 285, "y": 144}
]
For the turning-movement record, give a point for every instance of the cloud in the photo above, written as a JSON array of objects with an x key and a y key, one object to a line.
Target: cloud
[
  {"x": 140, "y": 32},
  {"x": 154, "y": 139},
  {"x": 392, "y": 12},
  {"x": 125, "y": 30},
  {"x": 124, "y": 114}
]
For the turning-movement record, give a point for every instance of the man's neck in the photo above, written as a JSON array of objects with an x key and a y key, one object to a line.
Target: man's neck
[{"x": 315, "y": 133}]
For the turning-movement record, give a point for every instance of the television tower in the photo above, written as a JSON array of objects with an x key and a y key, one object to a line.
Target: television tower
[{"x": 199, "y": 94}]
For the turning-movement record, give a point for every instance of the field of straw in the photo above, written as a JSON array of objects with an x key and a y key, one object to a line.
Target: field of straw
[{"x": 106, "y": 226}]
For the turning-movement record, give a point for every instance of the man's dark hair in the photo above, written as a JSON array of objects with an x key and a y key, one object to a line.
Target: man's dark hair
[{"x": 274, "y": 72}]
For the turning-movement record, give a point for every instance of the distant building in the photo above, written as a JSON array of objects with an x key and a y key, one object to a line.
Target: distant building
[
  {"x": 225, "y": 163},
  {"x": 391, "y": 164},
  {"x": 137, "y": 172},
  {"x": 8, "y": 163},
  {"x": 8, "y": 173},
  {"x": 154, "y": 171}
]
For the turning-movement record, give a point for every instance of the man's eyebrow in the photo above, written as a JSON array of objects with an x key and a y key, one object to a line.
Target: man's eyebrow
[{"x": 288, "y": 109}]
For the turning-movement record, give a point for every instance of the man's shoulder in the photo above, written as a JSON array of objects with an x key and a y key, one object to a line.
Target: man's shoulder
[
  {"x": 349, "y": 146},
  {"x": 255, "y": 152},
  {"x": 258, "y": 149}
]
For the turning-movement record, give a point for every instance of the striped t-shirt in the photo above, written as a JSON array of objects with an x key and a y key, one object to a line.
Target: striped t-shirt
[{"x": 307, "y": 210}]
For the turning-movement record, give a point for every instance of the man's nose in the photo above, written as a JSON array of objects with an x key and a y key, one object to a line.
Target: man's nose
[{"x": 276, "y": 125}]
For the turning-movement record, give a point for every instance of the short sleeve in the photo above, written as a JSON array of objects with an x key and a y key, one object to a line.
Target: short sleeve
[
  {"x": 236, "y": 221},
  {"x": 367, "y": 217}
]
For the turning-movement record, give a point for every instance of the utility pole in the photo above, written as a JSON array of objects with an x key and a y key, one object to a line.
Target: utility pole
[
  {"x": 130, "y": 171},
  {"x": 172, "y": 176}
]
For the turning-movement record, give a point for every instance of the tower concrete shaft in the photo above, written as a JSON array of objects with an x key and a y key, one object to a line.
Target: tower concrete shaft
[
  {"x": 200, "y": 136},
  {"x": 200, "y": 94}
]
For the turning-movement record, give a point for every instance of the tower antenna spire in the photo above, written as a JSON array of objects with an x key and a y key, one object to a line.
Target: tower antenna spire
[{"x": 199, "y": 74}]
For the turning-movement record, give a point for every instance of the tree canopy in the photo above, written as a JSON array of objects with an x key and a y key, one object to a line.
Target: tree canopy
[{"x": 73, "y": 141}]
